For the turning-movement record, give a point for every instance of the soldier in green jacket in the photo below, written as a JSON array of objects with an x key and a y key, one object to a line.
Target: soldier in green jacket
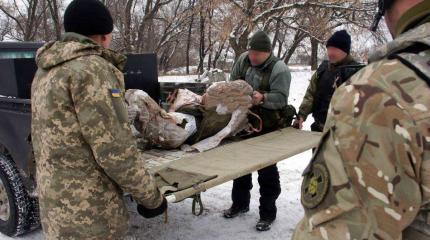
[
  {"x": 370, "y": 176},
  {"x": 270, "y": 78},
  {"x": 325, "y": 81},
  {"x": 86, "y": 156}
]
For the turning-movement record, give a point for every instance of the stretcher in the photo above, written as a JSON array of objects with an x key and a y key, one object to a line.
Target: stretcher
[{"x": 181, "y": 175}]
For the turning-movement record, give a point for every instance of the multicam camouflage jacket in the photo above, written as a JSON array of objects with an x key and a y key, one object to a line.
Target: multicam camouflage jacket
[
  {"x": 370, "y": 176},
  {"x": 85, "y": 153}
]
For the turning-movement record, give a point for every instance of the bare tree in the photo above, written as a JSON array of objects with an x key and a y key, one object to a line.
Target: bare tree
[
  {"x": 25, "y": 19},
  {"x": 33, "y": 20},
  {"x": 189, "y": 36},
  {"x": 203, "y": 33},
  {"x": 5, "y": 28},
  {"x": 312, "y": 18},
  {"x": 54, "y": 7}
]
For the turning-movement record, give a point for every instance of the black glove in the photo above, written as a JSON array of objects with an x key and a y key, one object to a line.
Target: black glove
[{"x": 151, "y": 213}]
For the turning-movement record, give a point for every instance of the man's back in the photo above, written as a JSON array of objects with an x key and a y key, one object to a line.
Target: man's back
[
  {"x": 375, "y": 153},
  {"x": 83, "y": 145}
]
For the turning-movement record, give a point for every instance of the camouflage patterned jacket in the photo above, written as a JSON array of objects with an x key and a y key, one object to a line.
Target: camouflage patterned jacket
[
  {"x": 370, "y": 176},
  {"x": 85, "y": 153}
]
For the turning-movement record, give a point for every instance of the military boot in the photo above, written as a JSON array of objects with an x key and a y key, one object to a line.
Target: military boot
[
  {"x": 264, "y": 225},
  {"x": 235, "y": 211}
]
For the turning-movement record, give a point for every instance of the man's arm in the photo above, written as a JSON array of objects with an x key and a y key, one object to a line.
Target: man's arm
[
  {"x": 370, "y": 152},
  {"x": 103, "y": 120},
  {"x": 308, "y": 100},
  {"x": 237, "y": 68},
  {"x": 280, "y": 82}
]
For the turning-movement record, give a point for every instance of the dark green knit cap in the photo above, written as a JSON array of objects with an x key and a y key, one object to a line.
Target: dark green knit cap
[{"x": 260, "y": 41}]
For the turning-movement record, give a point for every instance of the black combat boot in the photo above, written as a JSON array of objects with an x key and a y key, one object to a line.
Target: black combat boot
[
  {"x": 235, "y": 211},
  {"x": 264, "y": 225}
]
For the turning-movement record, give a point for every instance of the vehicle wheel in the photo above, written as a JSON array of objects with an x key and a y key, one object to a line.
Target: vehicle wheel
[
  {"x": 15, "y": 204},
  {"x": 34, "y": 220}
]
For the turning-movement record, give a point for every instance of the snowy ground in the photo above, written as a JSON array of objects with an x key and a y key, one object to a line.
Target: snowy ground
[
  {"x": 297, "y": 71},
  {"x": 183, "y": 225}
]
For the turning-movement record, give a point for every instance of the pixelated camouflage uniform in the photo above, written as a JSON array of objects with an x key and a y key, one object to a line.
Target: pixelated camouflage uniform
[
  {"x": 370, "y": 177},
  {"x": 85, "y": 153}
]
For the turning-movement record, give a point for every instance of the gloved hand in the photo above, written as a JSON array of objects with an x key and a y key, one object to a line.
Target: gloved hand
[
  {"x": 257, "y": 98},
  {"x": 151, "y": 213},
  {"x": 298, "y": 123}
]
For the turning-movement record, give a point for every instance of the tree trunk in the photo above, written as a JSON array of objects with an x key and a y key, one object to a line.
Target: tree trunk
[
  {"x": 218, "y": 54},
  {"x": 276, "y": 37},
  {"x": 298, "y": 38},
  {"x": 281, "y": 43},
  {"x": 210, "y": 42},
  {"x": 202, "y": 40},
  {"x": 127, "y": 26},
  {"x": 53, "y": 9},
  {"x": 240, "y": 44},
  {"x": 314, "y": 54},
  {"x": 31, "y": 21},
  {"x": 190, "y": 31},
  {"x": 46, "y": 33}
]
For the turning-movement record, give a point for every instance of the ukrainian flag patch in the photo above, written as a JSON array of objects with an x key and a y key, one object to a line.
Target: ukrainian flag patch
[{"x": 116, "y": 93}]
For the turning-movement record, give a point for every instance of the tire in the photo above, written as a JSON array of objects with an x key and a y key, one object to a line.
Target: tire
[
  {"x": 17, "y": 214},
  {"x": 34, "y": 219}
]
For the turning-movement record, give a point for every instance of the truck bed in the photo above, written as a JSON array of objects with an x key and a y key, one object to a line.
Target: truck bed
[{"x": 15, "y": 129}]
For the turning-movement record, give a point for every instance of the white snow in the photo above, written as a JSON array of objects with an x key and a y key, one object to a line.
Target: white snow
[
  {"x": 178, "y": 78},
  {"x": 6, "y": 96},
  {"x": 182, "y": 70},
  {"x": 298, "y": 70},
  {"x": 211, "y": 225}
]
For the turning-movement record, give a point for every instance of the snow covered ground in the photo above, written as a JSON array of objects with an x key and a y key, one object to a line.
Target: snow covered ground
[
  {"x": 211, "y": 225},
  {"x": 297, "y": 70}
]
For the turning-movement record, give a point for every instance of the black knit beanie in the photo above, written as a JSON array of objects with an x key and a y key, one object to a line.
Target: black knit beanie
[
  {"x": 340, "y": 40},
  {"x": 260, "y": 41},
  {"x": 88, "y": 17}
]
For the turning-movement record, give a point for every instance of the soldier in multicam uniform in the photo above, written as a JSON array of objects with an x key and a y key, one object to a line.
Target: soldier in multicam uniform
[
  {"x": 369, "y": 178},
  {"x": 85, "y": 154}
]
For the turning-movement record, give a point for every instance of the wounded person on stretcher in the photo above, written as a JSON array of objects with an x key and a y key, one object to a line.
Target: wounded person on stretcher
[{"x": 200, "y": 121}]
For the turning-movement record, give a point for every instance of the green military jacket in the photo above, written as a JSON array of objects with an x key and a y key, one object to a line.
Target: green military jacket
[
  {"x": 85, "y": 154},
  {"x": 279, "y": 79},
  {"x": 272, "y": 79},
  {"x": 369, "y": 178}
]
